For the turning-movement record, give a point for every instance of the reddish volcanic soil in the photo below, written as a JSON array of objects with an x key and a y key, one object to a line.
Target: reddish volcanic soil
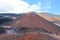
[
  {"x": 40, "y": 36},
  {"x": 37, "y": 37}
]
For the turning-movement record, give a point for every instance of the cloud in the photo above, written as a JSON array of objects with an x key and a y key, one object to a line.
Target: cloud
[
  {"x": 46, "y": 5},
  {"x": 20, "y": 6}
]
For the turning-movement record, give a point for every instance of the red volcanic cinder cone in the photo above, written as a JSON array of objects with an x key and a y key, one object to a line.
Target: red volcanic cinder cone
[{"x": 32, "y": 20}]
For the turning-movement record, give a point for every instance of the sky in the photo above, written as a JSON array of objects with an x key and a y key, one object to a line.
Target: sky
[{"x": 23, "y": 6}]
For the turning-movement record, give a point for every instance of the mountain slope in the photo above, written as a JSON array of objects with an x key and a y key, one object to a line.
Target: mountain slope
[
  {"x": 55, "y": 19},
  {"x": 31, "y": 20}
]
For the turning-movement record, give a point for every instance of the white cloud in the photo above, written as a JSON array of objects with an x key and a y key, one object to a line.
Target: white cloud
[{"x": 19, "y": 6}]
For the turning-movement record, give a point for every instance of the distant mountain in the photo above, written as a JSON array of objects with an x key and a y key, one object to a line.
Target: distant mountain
[
  {"x": 11, "y": 14},
  {"x": 6, "y": 17}
]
